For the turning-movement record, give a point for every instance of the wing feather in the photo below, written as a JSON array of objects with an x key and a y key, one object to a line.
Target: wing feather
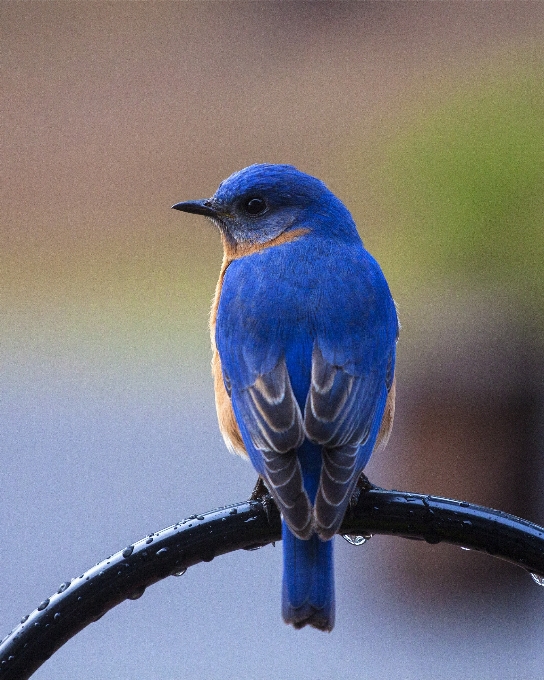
[
  {"x": 341, "y": 415},
  {"x": 339, "y": 405},
  {"x": 273, "y": 422},
  {"x": 335, "y": 487}
]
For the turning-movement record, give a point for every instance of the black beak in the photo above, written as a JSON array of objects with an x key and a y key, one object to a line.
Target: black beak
[{"x": 203, "y": 207}]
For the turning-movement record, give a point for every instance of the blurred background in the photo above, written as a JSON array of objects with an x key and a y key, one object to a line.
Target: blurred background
[{"x": 427, "y": 119}]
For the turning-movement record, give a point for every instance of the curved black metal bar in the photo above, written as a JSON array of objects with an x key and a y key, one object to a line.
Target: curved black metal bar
[{"x": 247, "y": 525}]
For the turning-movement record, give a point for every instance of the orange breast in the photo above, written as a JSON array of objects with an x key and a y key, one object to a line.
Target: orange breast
[{"x": 225, "y": 415}]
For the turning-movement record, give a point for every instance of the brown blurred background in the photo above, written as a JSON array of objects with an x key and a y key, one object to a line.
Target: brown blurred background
[{"x": 427, "y": 119}]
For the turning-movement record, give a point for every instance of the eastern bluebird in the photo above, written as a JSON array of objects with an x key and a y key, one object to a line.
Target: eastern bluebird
[{"x": 304, "y": 332}]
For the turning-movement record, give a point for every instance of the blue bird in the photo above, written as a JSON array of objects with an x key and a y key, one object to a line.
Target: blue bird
[{"x": 303, "y": 331}]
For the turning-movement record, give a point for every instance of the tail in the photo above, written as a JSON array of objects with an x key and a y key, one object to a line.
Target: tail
[{"x": 308, "y": 581}]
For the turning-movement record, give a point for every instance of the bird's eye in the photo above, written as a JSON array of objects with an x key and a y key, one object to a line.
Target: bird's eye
[{"x": 254, "y": 205}]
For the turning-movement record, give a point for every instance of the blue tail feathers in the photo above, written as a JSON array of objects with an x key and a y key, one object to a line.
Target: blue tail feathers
[{"x": 308, "y": 581}]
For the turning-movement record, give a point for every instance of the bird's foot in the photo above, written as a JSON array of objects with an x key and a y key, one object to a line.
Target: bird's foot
[
  {"x": 363, "y": 485},
  {"x": 260, "y": 491},
  {"x": 262, "y": 494}
]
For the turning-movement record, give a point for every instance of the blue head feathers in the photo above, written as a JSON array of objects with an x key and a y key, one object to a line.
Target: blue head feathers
[{"x": 260, "y": 202}]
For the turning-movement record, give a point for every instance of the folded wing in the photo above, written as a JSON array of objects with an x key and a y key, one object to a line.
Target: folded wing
[
  {"x": 342, "y": 413},
  {"x": 273, "y": 422}
]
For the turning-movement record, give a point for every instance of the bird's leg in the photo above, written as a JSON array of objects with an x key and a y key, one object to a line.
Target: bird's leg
[
  {"x": 260, "y": 492},
  {"x": 363, "y": 485}
]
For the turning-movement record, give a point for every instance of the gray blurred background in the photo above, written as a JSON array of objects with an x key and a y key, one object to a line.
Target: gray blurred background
[{"x": 427, "y": 119}]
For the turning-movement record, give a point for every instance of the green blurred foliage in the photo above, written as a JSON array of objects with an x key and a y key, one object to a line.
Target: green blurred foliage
[{"x": 460, "y": 191}]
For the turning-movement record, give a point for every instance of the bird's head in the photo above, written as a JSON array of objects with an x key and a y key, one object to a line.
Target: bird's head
[{"x": 260, "y": 202}]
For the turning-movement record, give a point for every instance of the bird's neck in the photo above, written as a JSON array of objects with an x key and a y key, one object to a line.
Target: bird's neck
[{"x": 233, "y": 250}]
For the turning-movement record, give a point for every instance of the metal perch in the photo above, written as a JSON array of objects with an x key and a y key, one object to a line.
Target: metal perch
[{"x": 254, "y": 523}]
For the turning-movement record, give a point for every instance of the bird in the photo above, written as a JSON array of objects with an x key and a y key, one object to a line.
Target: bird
[{"x": 303, "y": 332}]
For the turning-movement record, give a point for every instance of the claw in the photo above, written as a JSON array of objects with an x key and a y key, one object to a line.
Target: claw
[
  {"x": 363, "y": 485},
  {"x": 260, "y": 491},
  {"x": 262, "y": 494}
]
